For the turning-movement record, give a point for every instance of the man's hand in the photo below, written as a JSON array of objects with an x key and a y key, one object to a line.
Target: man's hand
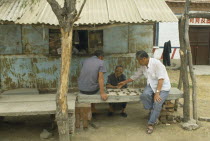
[
  {"x": 104, "y": 96},
  {"x": 121, "y": 84},
  {"x": 157, "y": 97}
]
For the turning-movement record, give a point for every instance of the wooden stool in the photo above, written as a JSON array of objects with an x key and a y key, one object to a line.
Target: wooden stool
[{"x": 83, "y": 113}]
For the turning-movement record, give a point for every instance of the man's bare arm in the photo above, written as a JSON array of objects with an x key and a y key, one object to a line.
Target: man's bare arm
[
  {"x": 157, "y": 97},
  {"x": 104, "y": 96},
  {"x": 121, "y": 84},
  {"x": 111, "y": 86}
]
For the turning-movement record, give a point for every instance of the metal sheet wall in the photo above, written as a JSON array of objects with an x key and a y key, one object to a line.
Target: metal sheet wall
[
  {"x": 128, "y": 39},
  {"x": 38, "y": 70},
  {"x": 10, "y": 39}
]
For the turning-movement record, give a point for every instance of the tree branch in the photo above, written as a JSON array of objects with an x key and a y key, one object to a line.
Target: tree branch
[
  {"x": 80, "y": 11},
  {"x": 199, "y": 14},
  {"x": 56, "y": 9}
]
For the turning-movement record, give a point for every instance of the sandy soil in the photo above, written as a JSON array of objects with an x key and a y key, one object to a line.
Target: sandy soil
[{"x": 117, "y": 128}]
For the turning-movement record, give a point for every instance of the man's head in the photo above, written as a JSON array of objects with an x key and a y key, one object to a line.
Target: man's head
[
  {"x": 99, "y": 54},
  {"x": 142, "y": 57},
  {"x": 118, "y": 70}
]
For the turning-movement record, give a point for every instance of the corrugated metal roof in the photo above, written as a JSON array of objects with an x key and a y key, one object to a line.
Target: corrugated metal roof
[
  {"x": 193, "y": 1},
  {"x": 155, "y": 10},
  {"x": 94, "y": 12},
  {"x": 123, "y": 11}
]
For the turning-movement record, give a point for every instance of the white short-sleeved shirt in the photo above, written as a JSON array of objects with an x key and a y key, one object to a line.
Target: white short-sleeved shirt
[{"x": 155, "y": 71}]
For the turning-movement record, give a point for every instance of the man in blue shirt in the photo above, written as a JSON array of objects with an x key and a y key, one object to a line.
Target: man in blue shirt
[{"x": 91, "y": 79}]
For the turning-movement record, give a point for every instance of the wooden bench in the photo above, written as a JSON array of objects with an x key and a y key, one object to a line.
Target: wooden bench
[
  {"x": 123, "y": 96},
  {"x": 36, "y": 104},
  {"x": 115, "y": 96}
]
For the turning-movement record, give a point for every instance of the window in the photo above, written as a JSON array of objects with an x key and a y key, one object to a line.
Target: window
[
  {"x": 54, "y": 42},
  {"x": 84, "y": 42}
]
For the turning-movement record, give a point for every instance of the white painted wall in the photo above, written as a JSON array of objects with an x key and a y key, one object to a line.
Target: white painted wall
[{"x": 168, "y": 31}]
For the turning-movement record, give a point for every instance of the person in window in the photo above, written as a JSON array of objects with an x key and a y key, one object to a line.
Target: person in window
[
  {"x": 112, "y": 82},
  {"x": 157, "y": 89}
]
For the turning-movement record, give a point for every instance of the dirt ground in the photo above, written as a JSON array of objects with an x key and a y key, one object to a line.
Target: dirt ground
[{"x": 117, "y": 128}]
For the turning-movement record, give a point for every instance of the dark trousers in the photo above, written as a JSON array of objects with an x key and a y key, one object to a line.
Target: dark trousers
[
  {"x": 89, "y": 92},
  {"x": 118, "y": 106}
]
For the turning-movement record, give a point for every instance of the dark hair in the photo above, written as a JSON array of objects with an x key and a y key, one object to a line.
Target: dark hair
[
  {"x": 141, "y": 54},
  {"x": 118, "y": 66},
  {"x": 99, "y": 53}
]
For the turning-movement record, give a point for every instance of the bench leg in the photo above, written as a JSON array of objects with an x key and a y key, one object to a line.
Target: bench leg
[
  {"x": 176, "y": 104},
  {"x": 86, "y": 116},
  {"x": 71, "y": 123},
  {"x": 82, "y": 113},
  {"x": 77, "y": 116}
]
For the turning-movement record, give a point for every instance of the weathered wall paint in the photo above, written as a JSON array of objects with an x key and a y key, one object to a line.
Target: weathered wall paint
[
  {"x": 10, "y": 39},
  {"x": 35, "y": 40},
  {"x": 42, "y": 71},
  {"x": 116, "y": 40},
  {"x": 25, "y": 39},
  {"x": 128, "y": 39},
  {"x": 140, "y": 38}
]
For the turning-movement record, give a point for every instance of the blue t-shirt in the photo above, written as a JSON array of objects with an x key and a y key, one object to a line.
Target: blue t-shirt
[{"x": 88, "y": 79}]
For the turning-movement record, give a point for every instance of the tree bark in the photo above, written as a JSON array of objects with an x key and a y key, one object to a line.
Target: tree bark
[
  {"x": 183, "y": 56},
  {"x": 180, "y": 77},
  {"x": 189, "y": 54},
  {"x": 194, "y": 85},
  {"x": 61, "y": 100},
  {"x": 66, "y": 17}
]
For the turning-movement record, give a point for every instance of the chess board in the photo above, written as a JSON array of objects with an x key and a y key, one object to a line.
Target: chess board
[
  {"x": 122, "y": 92},
  {"x": 124, "y": 95}
]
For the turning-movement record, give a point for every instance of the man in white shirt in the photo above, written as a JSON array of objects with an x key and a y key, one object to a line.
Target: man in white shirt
[{"x": 157, "y": 89}]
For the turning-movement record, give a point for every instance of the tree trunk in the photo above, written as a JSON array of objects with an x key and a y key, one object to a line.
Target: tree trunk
[
  {"x": 61, "y": 99},
  {"x": 183, "y": 55},
  {"x": 66, "y": 16},
  {"x": 179, "y": 85},
  {"x": 189, "y": 53},
  {"x": 194, "y": 86}
]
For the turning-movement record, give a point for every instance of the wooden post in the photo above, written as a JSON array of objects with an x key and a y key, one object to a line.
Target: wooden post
[
  {"x": 189, "y": 55},
  {"x": 183, "y": 56}
]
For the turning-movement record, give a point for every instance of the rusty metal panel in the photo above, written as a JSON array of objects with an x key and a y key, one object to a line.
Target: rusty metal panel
[
  {"x": 43, "y": 72},
  {"x": 16, "y": 73},
  {"x": 116, "y": 40},
  {"x": 10, "y": 39},
  {"x": 47, "y": 71},
  {"x": 35, "y": 39},
  {"x": 140, "y": 38}
]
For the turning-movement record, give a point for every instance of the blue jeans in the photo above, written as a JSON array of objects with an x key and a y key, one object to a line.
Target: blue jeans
[{"x": 147, "y": 99}]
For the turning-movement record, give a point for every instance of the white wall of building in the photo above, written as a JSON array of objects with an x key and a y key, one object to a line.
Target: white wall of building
[{"x": 168, "y": 31}]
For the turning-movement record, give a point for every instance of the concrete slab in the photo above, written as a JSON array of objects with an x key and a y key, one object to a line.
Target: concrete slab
[
  {"x": 23, "y": 91},
  {"x": 201, "y": 69},
  {"x": 31, "y": 98},
  {"x": 18, "y": 105}
]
